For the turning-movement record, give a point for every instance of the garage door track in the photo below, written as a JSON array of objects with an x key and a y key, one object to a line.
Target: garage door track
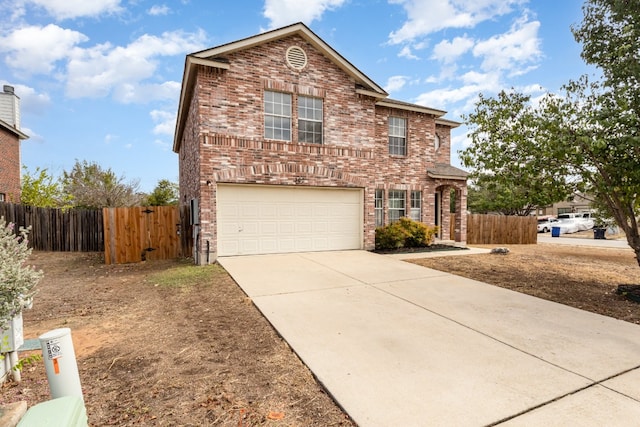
[{"x": 399, "y": 344}]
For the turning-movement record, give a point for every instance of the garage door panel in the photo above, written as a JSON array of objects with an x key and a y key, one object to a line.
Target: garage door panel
[
  {"x": 304, "y": 227},
  {"x": 304, "y": 211},
  {"x": 320, "y": 227},
  {"x": 267, "y": 211},
  {"x": 248, "y": 210},
  {"x": 254, "y": 219},
  {"x": 268, "y": 228},
  {"x": 286, "y": 229}
]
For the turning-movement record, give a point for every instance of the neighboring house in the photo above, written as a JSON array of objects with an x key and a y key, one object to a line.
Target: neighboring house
[
  {"x": 10, "y": 137},
  {"x": 578, "y": 203},
  {"x": 285, "y": 146}
]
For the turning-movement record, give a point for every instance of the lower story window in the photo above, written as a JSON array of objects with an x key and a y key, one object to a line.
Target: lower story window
[
  {"x": 397, "y": 205},
  {"x": 379, "y": 208},
  {"x": 416, "y": 206}
]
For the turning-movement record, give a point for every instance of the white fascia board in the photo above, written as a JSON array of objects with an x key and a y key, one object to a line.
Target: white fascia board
[{"x": 411, "y": 107}]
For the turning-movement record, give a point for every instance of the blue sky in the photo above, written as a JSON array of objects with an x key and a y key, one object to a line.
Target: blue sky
[{"x": 100, "y": 80}]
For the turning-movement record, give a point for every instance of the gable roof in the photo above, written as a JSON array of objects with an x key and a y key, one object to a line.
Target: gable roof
[
  {"x": 303, "y": 31},
  {"x": 6, "y": 126},
  {"x": 214, "y": 57}
]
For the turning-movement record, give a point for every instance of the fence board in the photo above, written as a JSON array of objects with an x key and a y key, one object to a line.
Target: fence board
[
  {"x": 64, "y": 230},
  {"x": 501, "y": 230}
]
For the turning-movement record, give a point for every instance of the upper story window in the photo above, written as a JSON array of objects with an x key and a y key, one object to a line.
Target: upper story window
[
  {"x": 398, "y": 136},
  {"x": 436, "y": 142},
  {"x": 277, "y": 115},
  {"x": 309, "y": 119},
  {"x": 2, "y": 197}
]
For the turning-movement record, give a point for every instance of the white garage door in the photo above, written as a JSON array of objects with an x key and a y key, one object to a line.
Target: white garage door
[{"x": 263, "y": 219}]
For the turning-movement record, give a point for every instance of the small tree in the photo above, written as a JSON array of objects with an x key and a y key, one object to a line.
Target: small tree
[
  {"x": 41, "y": 190},
  {"x": 17, "y": 281},
  {"x": 165, "y": 193}
]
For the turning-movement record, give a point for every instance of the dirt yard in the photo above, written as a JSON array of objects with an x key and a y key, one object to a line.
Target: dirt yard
[
  {"x": 581, "y": 277},
  {"x": 168, "y": 343}
]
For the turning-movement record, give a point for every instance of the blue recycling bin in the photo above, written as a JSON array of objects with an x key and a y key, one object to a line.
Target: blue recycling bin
[{"x": 555, "y": 231}]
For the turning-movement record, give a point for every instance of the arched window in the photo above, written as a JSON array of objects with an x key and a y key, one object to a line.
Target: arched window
[{"x": 436, "y": 142}]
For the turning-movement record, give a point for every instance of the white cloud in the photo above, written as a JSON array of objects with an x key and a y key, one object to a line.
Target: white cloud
[
  {"x": 33, "y": 136},
  {"x": 157, "y": 10},
  {"x": 461, "y": 140},
  {"x": 428, "y": 16},
  {"x": 142, "y": 93},
  {"x": 406, "y": 52},
  {"x": 129, "y": 73},
  {"x": 35, "y": 49},
  {"x": 484, "y": 80},
  {"x": 395, "y": 83},
  {"x": 448, "y": 51},
  {"x": 285, "y": 12},
  {"x": 511, "y": 50},
  {"x": 104, "y": 69},
  {"x": 165, "y": 122},
  {"x": 441, "y": 97},
  {"x": 69, "y": 9},
  {"x": 165, "y": 146}
]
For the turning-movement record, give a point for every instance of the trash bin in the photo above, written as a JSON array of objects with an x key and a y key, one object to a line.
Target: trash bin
[
  {"x": 555, "y": 231},
  {"x": 598, "y": 233}
]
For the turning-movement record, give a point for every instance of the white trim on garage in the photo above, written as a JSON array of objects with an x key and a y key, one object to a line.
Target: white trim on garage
[{"x": 267, "y": 219}]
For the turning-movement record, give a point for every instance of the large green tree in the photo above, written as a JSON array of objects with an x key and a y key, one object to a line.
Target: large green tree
[
  {"x": 606, "y": 148},
  {"x": 507, "y": 168},
  {"x": 91, "y": 187},
  {"x": 589, "y": 135}
]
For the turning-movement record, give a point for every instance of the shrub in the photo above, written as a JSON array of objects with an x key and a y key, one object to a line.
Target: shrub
[
  {"x": 17, "y": 281},
  {"x": 405, "y": 233}
]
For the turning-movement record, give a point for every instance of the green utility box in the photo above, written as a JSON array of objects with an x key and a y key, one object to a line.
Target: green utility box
[{"x": 68, "y": 411}]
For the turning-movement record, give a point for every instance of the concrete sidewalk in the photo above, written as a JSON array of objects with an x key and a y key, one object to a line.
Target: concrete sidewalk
[
  {"x": 577, "y": 241},
  {"x": 397, "y": 344}
]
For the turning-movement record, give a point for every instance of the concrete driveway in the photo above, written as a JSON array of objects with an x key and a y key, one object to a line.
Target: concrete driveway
[{"x": 397, "y": 344}]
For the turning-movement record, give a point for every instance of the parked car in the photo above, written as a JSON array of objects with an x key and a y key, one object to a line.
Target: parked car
[{"x": 545, "y": 224}]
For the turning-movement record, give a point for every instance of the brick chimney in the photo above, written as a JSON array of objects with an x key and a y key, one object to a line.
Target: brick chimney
[{"x": 10, "y": 107}]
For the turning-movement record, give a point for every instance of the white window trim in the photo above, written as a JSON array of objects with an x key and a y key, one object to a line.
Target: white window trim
[
  {"x": 415, "y": 211},
  {"x": 395, "y": 213},
  {"x": 305, "y": 119},
  {"x": 289, "y": 117},
  {"x": 393, "y": 148}
]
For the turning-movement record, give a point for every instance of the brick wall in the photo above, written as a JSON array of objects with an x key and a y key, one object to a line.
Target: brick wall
[
  {"x": 10, "y": 166},
  {"x": 223, "y": 138}
]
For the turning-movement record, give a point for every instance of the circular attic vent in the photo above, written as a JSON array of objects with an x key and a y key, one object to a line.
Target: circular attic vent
[{"x": 296, "y": 58}]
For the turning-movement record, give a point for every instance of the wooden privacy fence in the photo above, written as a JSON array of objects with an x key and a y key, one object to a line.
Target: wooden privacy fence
[
  {"x": 501, "y": 230},
  {"x": 73, "y": 230},
  {"x": 145, "y": 233}
]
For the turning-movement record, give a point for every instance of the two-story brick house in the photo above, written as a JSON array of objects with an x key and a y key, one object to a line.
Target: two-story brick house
[
  {"x": 10, "y": 137},
  {"x": 285, "y": 146}
]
